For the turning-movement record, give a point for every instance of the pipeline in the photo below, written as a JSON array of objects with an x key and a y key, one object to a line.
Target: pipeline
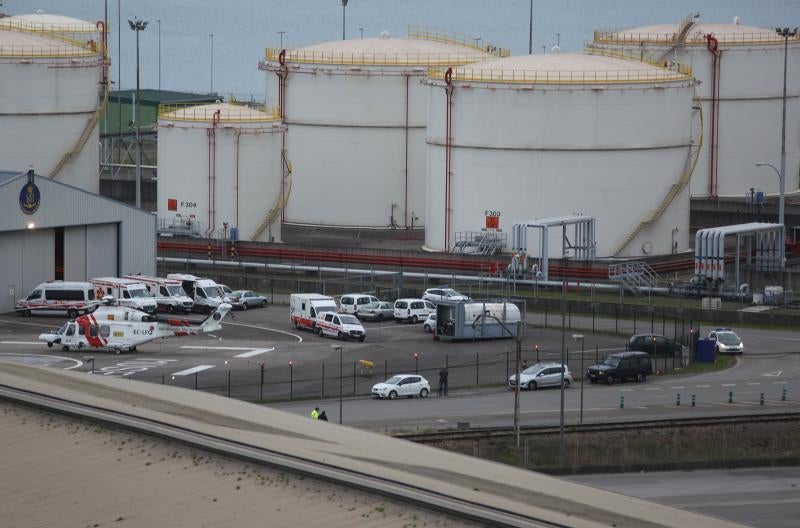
[
  {"x": 405, "y": 198},
  {"x": 282, "y": 74},
  {"x": 448, "y": 145},
  {"x": 713, "y": 46}
]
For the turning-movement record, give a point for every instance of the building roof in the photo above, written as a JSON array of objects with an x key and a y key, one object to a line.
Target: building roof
[{"x": 153, "y": 96}]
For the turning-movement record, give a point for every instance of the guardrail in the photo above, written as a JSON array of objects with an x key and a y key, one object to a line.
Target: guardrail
[
  {"x": 206, "y": 112},
  {"x": 638, "y": 56},
  {"x": 559, "y": 76},
  {"x": 375, "y": 59},
  {"x": 71, "y": 51},
  {"x": 437, "y": 35},
  {"x": 695, "y": 38}
]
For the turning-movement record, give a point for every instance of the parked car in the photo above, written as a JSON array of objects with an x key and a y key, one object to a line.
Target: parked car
[
  {"x": 402, "y": 385},
  {"x": 340, "y": 325},
  {"x": 430, "y": 323},
  {"x": 443, "y": 293},
  {"x": 621, "y": 366},
  {"x": 412, "y": 310},
  {"x": 655, "y": 344},
  {"x": 727, "y": 342},
  {"x": 227, "y": 293},
  {"x": 375, "y": 311},
  {"x": 244, "y": 299},
  {"x": 541, "y": 375},
  {"x": 352, "y": 303}
]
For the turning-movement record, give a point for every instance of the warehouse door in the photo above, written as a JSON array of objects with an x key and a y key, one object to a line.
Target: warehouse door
[
  {"x": 102, "y": 251},
  {"x": 26, "y": 260}
]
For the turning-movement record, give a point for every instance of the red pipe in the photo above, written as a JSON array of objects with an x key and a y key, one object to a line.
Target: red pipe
[
  {"x": 713, "y": 46},
  {"x": 282, "y": 74}
]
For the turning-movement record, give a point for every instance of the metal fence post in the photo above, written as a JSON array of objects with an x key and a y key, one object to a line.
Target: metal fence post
[
  {"x": 229, "y": 383},
  {"x": 291, "y": 380},
  {"x": 545, "y": 313},
  {"x": 385, "y": 369},
  {"x": 354, "y": 378},
  {"x": 323, "y": 380},
  {"x": 477, "y": 368},
  {"x": 616, "y": 318},
  {"x": 195, "y": 381},
  {"x": 261, "y": 393},
  {"x": 506, "y": 363}
]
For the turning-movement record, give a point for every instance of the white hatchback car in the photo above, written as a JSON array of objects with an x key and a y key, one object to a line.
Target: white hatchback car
[
  {"x": 412, "y": 310},
  {"x": 443, "y": 294},
  {"x": 727, "y": 342},
  {"x": 542, "y": 375},
  {"x": 353, "y": 302},
  {"x": 402, "y": 385},
  {"x": 430, "y": 323}
]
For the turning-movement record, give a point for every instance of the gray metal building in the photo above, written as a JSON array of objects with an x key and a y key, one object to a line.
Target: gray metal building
[{"x": 51, "y": 231}]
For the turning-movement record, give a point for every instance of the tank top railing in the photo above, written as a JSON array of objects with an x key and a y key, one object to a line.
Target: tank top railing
[{"x": 559, "y": 77}]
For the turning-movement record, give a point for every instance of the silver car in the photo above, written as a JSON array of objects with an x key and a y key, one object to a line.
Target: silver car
[
  {"x": 443, "y": 293},
  {"x": 542, "y": 375},
  {"x": 244, "y": 299},
  {"x": 376, "y": 311}
]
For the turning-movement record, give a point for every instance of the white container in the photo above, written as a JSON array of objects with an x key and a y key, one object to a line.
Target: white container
[{"x": 554, "y": 135}]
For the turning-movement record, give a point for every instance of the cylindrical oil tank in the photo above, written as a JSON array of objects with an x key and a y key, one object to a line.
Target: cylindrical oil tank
[
  {"x": 542, "y": 136},
  {"x": 740, "y": 69},
  {"x": 221, "y": 171},
  {"x": 51, "y": 77},
  {"x": 355, "y": 111}
]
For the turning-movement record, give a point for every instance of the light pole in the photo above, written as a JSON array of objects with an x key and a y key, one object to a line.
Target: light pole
[
  {"x": 781, "y": 186},
  {"x": 341, "y": 362},
  {"x": 558, "y": 39},
  {"x": 159, "y": 53},
  {"x": 138, "y": 26},
  {"x": 344, "y": 9},
  {"x": 785, "y": 33},
  {"x": 211, "y": 35},
  {"x": 362, "y": 32},
  {"x": 579, "y": 337},
  {"x": 281, "y": 33},
  {"x": 530, "y": 32}
]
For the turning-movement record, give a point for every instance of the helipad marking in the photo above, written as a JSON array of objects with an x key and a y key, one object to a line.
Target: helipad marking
[
  {"x": 192, "y": 370},
  {"x": 773, "y": 374},
  {"x": 29, "y": 324},
  {"x": 299, "y": 339},
  {"x": 703, "y": 386},
  {"x": 78, "y": 363},
  {"x": 21, "y": 343},
  {"x": 254, "y": 352},
  {"x": 202, "y": 347}
]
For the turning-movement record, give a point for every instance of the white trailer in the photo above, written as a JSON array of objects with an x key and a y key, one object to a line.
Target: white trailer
[{"x": 304, "y": 308}]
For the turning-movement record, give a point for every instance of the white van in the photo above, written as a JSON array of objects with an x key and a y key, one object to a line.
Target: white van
[
  {"x": 127, "y": 292},
  {"x": 340, "y": 325},
  {"x": 168, "y": 293},
  {"x": 351, "y": 302},
  {"x": 72, "y": 298},
  {"x": 412, "y": 310},
  {"x": 304, "y": 308},
  {"x": 205, "y": 293}
]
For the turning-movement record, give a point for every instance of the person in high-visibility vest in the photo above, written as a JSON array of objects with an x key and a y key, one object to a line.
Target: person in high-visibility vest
[{"x": 315, "y": 413}]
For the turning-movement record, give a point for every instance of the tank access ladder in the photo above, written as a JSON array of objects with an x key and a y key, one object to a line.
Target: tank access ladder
[
  {"x": 280, "y": 202},
  {"x": 679, "y": 38},
  {"x": 632, "y": 276},
  {"x": 583, "y": 247}
]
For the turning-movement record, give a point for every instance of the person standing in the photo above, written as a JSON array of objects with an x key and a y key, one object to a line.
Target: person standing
[
  {"x": 315, "y": 413},
  {"x": 443, "y": 381}
]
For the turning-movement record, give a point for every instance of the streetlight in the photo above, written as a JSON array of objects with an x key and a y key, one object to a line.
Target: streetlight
[
  {"x": 159, "y": 53},
  {"x": 212, "y": 63},
  {"x": 281, "y": 33},
  {"x": 362, "y": 32},
  {"x": 785, "y": 33},
  {"x": 341, "y": 362},
  {"x": 137, "y": 26},
  {"x": 579, "y": 337},
  {"x": 558, "y": 39},
  {"x": 530, "y": 32},
  {"x": 781, "y": 185},
  {"x": 344, "y": 5}
]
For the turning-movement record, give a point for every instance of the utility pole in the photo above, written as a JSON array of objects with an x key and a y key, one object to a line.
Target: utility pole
[
  {"x": 211, "y": 90},
  {"x": 562, "y": 452},
  {"x": 530, "y": 32},
  {"x": 517, "y": 367},
  {"x": 138, "y": 26},
  {"x": 344, "y": 9},
  {"x": 159, "y": 54},
  {"x": 785, "y": 33}
]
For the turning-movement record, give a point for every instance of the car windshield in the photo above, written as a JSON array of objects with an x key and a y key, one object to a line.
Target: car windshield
[
  {"x": 138, "y": 293},
  {"x": 238, "y": 293},
  {"x": 394, "y": 380},
  {"x": 349, "y": 319},
  {"x": 532, "y": 370},
  {"x": 612, "y": 362},
  {"x": 63, "y": 329},
  {"x": 321, "y": 309},
  {"x": 728, "y": 338},
  {"x": 212, "y": 291},
  {"x": 371, "y": 306},
  {"x": 175, "y": 291}
]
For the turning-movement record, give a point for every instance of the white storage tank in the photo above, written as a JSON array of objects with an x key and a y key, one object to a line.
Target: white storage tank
[
  {"x": 740, "y": 69},
  {"x": 355, "y": 111},
  {"x": 559, "y": 134},
  {"x": 221, "y": 172},
  {"x": 51, "y": 76}
]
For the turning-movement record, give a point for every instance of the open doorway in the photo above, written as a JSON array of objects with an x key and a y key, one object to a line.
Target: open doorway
[{"x": 59, "y": 253}]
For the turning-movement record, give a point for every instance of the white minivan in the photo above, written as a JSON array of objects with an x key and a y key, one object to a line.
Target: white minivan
[
  {"x": 127, "y": 292},
  {"x": 352, "y": 302},
  {"x": 205, "y": 293},
  {"x": 412, "y": 310},
  {"x": 72, "y": 298},
  {"x": 340, "y": 325}
]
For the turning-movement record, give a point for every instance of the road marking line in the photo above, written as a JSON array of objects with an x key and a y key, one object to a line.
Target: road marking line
[
  {"x": 254, "y": 352},
  {"x": 192, "y": 370},
  {"x": 780, "y": 382},
  {"x": 21, "y": 342},
  {"x": 78, "y": 363},
  {"x": 774, "y": 374},
  {"x": 703, "y": 386},
  {"x": 29, "y": 324},
  {"x": 198, "y": 347},
  {"x": 681, "y": 387},
  {"x": 754, "y": 383},
  {"x": 441, "y": 420},
  {"x": 626, "y": 390},
  {"x": 728, "y": 384},
  {"x": 299, "y": 339},
  {"x": 652, "y": 389},
  {"x": 212, "y": 335}
]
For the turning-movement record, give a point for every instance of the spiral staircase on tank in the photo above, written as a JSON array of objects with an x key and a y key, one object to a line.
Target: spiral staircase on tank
[
  {"x": 280, "y": 201},
  {"x": 679, "y": 38}
]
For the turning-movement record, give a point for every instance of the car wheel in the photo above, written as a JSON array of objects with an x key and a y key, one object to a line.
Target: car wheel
[
  {"x": 49, "y": 344},
  {"x": 423, "y": 393},
  {"x": 610, "y": 380},
  {"x": 531, "y": 385},
  {"x": 26, "y": 313},
  {"x": 339, "y": 335},
  {"x": 380, "y": 317},
  {"x": 566, "y": 383},
  {"x": 244, "y": 306},
  {"x": 427, "y": 328},
  {"x": 641, "y": 378},
  {"x": 318, "y": 331},
  {"x": 362, "y": 338},
  {"x": 392, "y": 395},
  {"x": 264, "y": 303},
  {"x": 72, "y": 313},
  {"x": 414, "y": 319},
  {"x": 65, "y": 348}
]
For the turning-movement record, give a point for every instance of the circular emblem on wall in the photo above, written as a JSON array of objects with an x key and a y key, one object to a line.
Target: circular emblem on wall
[{"x": 29, "y": 198}]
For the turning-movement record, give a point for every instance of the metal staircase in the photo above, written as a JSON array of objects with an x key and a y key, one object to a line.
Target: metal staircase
[
  {"x": 479, "y": 242},
  {"x": 679, "y": 39},
  {"x": 87, "y": 131},
  {"x": 633, "y": 276},
  {"x": 695, "y": 144},
  {"x": 281, "y": 201}
]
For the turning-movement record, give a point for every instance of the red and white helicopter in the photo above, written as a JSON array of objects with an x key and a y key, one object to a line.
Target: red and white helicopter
[{"x": 119, "y": 328}]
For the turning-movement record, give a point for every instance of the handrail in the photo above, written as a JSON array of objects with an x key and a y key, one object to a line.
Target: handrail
[
  {"x": 697, "y": 38},
  {"x": 49, "y": 27},
  {"x": 375, "y": 59},
  {"x": 559, "y": 76},
  {"x": 438, "y": 35},
  {"x": 71, "y": 51},
  {"x": 637, "y": 56},
  {"x": 205, "y": 112}
]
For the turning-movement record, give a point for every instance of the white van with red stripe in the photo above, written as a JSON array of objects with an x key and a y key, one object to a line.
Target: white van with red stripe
[
  {"x": 168, "y": 293},
  {"x": 305, "y": 308},
  {"x": 127, "y": 292},
  {"x": 71, "y": 298}
]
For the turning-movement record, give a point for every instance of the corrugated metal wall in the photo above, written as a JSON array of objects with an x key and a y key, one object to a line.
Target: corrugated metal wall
[{"x": 101, "y": 237}]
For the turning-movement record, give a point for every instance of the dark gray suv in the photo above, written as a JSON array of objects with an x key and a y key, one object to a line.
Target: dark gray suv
[
  {"x": 655, "y": 344},
  {"x": 621, "y": 366}
]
